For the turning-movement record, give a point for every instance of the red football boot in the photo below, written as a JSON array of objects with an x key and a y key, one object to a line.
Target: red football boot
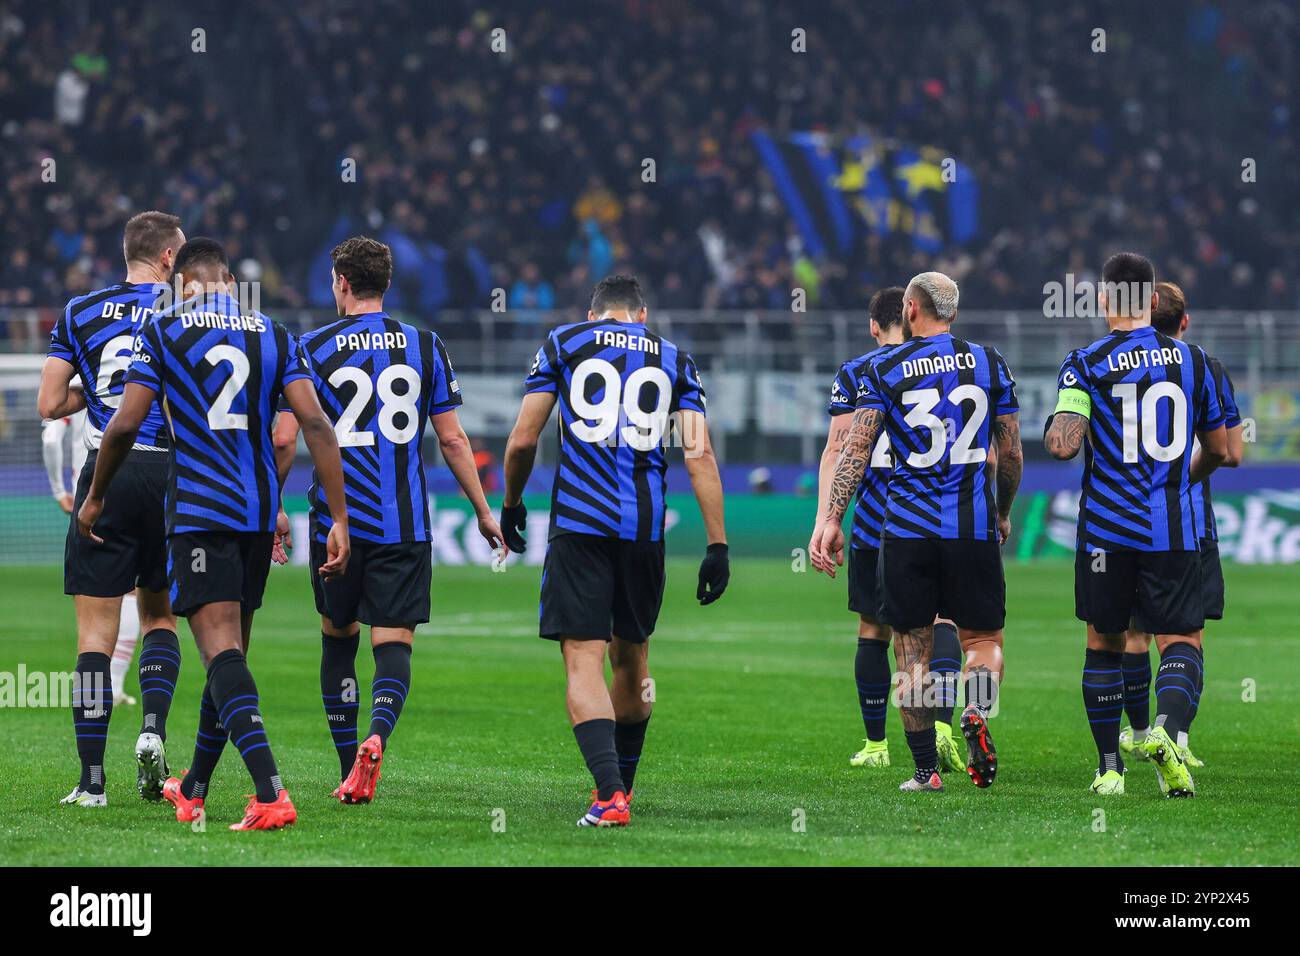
[
  {"x": 186, "y": 810},
  {"x": 364, "y": 778},
  {"x": 982, "y": 759},
  {"x": 268, "y": 816},
  {"x": 607, "y": 813}
]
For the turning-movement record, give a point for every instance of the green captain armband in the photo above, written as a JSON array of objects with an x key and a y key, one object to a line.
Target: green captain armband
[{"x": 1074, "y": 400}]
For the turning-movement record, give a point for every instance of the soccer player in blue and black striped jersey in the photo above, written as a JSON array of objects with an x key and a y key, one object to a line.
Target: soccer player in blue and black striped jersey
[
  {"x": 93, "y": 340},
  {"x": 623, "y": 392},
  {"x": 1138, "y": 397},
  {"x": 943, "y": 402},
  {"x": 219, "y": 371},
  {"x": 1170, "y": 318},
  {"x": 380, "y": 381},
  {"x": 871, "y": 669}
]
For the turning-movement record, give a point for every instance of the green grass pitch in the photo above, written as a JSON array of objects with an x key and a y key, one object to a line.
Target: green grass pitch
[{"x": 754, "y": 722}]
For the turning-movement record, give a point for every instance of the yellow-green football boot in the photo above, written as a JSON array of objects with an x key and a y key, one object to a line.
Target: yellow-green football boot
[
  {"x": 874, "y": 753},
  {"x": 1190, "y": 758},
  {"x": 1171, "y": 770},
  {"x": 1108, "y": 784},
  {"x": 950, "y": 758},
  {"x": 1130, "y": 746}
]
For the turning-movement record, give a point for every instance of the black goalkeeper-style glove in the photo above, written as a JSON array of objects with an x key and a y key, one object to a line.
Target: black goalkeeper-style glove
[
  {"x": 514, "y": 520},
  {"x": 715, "y": 572}
]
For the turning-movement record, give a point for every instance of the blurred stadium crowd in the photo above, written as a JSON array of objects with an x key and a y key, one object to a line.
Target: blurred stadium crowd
[{"x": 522, "y": 169}]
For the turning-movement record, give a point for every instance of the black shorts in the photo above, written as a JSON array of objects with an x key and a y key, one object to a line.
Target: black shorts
[
  {"x": 385, "y": 585},
  {"x": 1211, "y": 588},
  {"x": 205, "y": 567},
  {"x": 133, "y": 526},
  {"x": 1158, "y": 591},
  {"x": 594, "y": 586},
  {"x": 921, "y": 578},
  {"x": 864, "y": 598}
]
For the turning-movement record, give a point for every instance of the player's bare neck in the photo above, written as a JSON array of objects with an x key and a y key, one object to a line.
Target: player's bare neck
[
  {"x": 143, "y": 273},
  {"x": 364, "y": 307},
  {"x": 926, "y": 328},
  {"x": 1127, "y": 323},
  {"x": 618, "y": 315}
]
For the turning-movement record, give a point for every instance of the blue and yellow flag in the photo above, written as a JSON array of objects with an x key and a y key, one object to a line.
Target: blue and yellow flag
[{"x": 839, "y": 192}]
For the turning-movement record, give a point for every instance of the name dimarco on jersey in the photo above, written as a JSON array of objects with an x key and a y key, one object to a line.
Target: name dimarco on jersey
[
  {"x": 935, "y": 364},
  {"x": 367, "y": 341},
  {"x": 1143, "y": 358},
  {"x": 621, "y": 340}
]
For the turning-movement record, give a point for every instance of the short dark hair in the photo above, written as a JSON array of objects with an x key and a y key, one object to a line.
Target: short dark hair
[
  {"x": 366, "y": 263},
  {"x": 1128, "y": 268},
  {"x": 617, "y": 291},
  {"x": 201, "y": 251},
  {"x": 1168, "y": 313},
  {"x": 147, "y": 234},
  {"x": 886, "y": 307}
]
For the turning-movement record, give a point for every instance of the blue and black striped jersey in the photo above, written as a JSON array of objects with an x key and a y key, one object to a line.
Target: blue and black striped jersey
[
  {"x": 379, "y": 382},
  {"x": 869, "y": 512},
  {"x": 96, "y": 335},
  {"x": 219, "y": 374},
  {"x": 617, "y": 385},
  {"x": 939, "y": 395},
  {"x": 1147, "y": 395},
  {"x": 1202, "y": 505}
]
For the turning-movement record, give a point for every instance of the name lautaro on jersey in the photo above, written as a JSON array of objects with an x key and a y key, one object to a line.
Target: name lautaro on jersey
[{"x": 1144, "y": 358}]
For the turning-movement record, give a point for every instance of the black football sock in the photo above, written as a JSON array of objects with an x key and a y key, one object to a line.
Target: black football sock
[
  {"x": 1176, "y": 683},
  {"x": 208, "y": 745},
  {"x": 338, "y": 692},
  {"x": 924, "y": 752},
  {"x": 596, "y": 741},
  {"x": 92, "y": 707},
  {"x": 871, "y": 670},
  {"x": 159, "y": 668},
  {"x": 1103, "y": 699},
  {"x": 389, "y": 689},
  {"x": 981, "y": 689},
  {"x": 945, "y": 665},
  {"x": 1137, "y": 690},
  {"x": 235, "y": 694},
  {"x": 1196, "y": 704},
  {"x": 628, "y": 741}
]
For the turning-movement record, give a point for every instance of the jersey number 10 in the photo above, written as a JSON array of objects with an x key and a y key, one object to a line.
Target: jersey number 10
[{"x": 1149, "y": 405}]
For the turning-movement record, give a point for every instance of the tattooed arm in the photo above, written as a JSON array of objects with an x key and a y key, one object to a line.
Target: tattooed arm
[
  {"x": 1010, "y": 466},
  {"x": 864, "y": 429},
  {"x": 1065, "y": 435}
]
